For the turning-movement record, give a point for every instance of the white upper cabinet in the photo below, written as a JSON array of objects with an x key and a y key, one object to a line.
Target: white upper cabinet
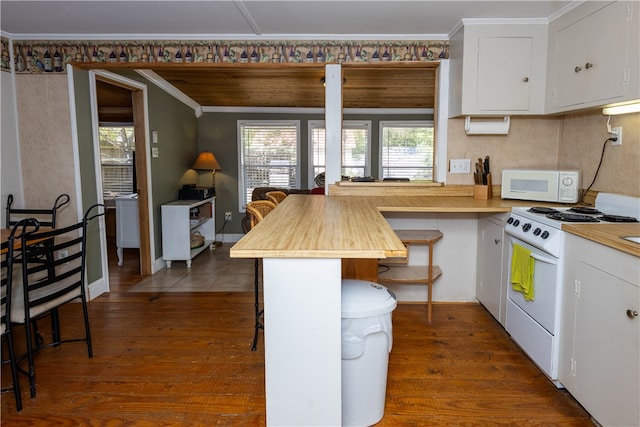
[
  {"x": 498, "y": 69},
  {"x": 594, "y": 56}
]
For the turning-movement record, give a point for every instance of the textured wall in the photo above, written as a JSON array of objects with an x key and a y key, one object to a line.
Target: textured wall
[
  {"x": 532, "y": 143},
  {"x": 573, "y": 141},
  {"x": 46, "y": 148},
  {"x": 583, "y": 137}
]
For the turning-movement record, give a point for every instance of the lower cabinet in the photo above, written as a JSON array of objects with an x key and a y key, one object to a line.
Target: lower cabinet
[
  {"x": 188, "y": 228},
  {"x": 600, "y": 350},
  {"x": 492, "y": 264}
]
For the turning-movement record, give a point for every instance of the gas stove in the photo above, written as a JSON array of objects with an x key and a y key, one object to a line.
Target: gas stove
[{"x": 542, "y": 226}]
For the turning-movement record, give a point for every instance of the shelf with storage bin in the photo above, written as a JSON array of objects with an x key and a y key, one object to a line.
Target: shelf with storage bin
[
  {"x": 399, "y": 270},
  {"x": 183, "y": 219}
]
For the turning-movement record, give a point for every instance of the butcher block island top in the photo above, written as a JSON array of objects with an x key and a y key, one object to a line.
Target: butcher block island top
[{"x": 316, "y": 226}]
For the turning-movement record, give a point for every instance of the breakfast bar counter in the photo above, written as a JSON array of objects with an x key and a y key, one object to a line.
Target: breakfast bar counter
[{"x": 302, "y": 244}]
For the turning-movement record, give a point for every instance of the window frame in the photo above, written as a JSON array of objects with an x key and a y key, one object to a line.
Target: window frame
[
  {"x": 346, "y": 124},
  {"x": 130, "y": 128},
  {"x": 407, "y": 123},
  {"x": 242, "y": 189}
]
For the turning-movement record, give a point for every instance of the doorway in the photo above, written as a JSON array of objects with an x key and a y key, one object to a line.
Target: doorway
[{"x": 122, "y": 102}]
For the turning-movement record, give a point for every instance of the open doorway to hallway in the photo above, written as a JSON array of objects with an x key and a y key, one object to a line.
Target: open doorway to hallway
[{"x": 120, "y": 108}]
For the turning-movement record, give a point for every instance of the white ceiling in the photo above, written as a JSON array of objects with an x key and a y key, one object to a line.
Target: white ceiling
[{"x": 256, "y": 19}]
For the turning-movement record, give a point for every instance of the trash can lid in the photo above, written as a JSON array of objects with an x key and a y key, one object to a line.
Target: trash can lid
[{"x": 362, "y": 298}]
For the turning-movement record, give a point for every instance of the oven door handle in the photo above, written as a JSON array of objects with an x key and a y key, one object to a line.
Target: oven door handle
[{"x": 544, "y": 259}]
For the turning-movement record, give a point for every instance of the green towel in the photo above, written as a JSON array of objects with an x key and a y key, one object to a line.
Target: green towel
[{"x": 522, "y": 265}]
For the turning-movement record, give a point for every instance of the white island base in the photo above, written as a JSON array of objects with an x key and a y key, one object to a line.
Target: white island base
[{"x": 302, "y": 320}]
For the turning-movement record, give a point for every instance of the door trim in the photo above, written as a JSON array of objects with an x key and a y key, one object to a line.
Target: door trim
[{"x": 142, "y": 135}]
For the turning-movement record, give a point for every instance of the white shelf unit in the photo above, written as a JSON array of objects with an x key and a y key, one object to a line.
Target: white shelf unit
[{"x": 178, "y": 224}]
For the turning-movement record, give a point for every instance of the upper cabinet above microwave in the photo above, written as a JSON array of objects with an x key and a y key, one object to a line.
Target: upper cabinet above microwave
[
  {"x": 594, "y": 56},
  {"x": 497, "y": 69}
]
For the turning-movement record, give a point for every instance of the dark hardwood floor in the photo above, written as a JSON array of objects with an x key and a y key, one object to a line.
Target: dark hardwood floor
[{"x": 184, "y": 359}]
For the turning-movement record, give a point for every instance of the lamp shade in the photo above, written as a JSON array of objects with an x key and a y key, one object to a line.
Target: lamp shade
[{"x": 206, "y": 161}]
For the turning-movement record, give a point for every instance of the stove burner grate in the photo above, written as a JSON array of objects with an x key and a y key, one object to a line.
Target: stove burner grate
[
  {"x": 542, "y": 210},
  {"x": 585, "y": 210},
  {"x": 617, "y": 218},
  {"x": 572, "y": 217}
]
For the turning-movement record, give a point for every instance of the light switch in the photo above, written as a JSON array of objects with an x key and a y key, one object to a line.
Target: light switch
[
  {"x": 155, "y": 152},
  {"x": 460, "y": 165},
  {"x": 154, "y": 136}
]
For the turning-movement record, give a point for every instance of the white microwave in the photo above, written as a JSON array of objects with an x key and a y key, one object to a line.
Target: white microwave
[{"x": 541, "y": 185}]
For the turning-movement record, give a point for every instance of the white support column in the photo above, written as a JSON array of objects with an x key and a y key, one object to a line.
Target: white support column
[
  {"x": 333, "y": 124},
  {"x": 303, "y": 347}
]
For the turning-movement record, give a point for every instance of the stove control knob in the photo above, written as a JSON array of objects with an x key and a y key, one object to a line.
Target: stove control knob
[
  {"x": 526, "y": 227},
  {"x": 537, "y": 231},
  {"x": 516, "y": 223},
  {"x": 510, "y": 220},
  {"x": 545, "y": 234}
]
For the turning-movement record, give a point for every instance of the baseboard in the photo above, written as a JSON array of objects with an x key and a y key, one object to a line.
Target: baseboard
[
  {"x": 228, "y": 238},
  {"x": 97, "y": 288}
]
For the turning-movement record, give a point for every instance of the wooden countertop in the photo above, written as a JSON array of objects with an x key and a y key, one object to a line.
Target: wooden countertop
[
  {"x": 444, "y": 204},
  {"x": 315, "y": 226},
  {"x": 608, "y": 234}
]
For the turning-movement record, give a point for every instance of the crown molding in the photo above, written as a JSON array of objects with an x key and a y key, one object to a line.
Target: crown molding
[
  {"x": 231, "y": 37},
  {"x": 171, "y": 90}
]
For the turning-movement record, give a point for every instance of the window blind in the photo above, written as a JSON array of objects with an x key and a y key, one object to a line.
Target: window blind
[{"x": 269, "y": 155}]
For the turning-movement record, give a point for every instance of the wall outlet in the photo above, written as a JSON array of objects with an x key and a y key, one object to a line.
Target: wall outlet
[
  {"x": 63, "y": 254},
  {"x": 460, "y": 165},
  {"x": 616, "y": 132},
  {"x": 227, "y": 216}
]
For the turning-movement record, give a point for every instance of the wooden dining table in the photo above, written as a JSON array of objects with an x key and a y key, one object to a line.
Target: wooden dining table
[{"x": 5, "y": 233}]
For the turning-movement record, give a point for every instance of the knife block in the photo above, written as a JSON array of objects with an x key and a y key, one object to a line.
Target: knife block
[{"x": 483, "y": 192}]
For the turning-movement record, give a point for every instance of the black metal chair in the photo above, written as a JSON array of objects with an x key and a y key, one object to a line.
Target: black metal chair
[
  {"x": 45, "y": 217},
  {"x": 6, "y": 252},
  {"x": 48, "y": 286},
  {"x": 257, "y": 210}
]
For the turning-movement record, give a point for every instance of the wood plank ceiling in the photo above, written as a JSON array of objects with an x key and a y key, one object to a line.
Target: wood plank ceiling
[{"x": 396, "y": 85}]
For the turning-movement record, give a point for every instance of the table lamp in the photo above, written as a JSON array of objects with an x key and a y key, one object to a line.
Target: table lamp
[{"x": 207, "y": 161}]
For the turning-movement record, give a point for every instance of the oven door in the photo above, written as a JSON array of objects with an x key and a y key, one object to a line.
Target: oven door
[{"x": 545, "y": 281}]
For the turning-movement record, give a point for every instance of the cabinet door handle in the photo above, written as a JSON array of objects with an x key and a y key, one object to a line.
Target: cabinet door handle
[
  {"x": 525, "y": 79},
  {"x": 588, "y": 65},
  {"x": 631, "y": 314},
  {"x": 577, "y": 69}
]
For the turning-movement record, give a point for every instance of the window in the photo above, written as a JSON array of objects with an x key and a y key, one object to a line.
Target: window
[
  {"x": 117, "y": 159},
  {"x": 406, "y": 150},
  {"x": 268, "y": 155},
  {"x": 356, "y": 143}
]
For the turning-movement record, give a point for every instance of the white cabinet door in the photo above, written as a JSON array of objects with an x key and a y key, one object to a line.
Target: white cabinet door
[
  {"x": 504, "y": 73},
  {"x": 490, "y": 290},
  {"x": 600, "y": 346},
  {"x": 498, "y": 69},
  {"x": 606, "y": 365},
  {"x": 594, "y": 58}
]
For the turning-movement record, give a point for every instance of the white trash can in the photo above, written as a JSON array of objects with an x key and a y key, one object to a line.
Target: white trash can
[{"x": 366, "y": 342}]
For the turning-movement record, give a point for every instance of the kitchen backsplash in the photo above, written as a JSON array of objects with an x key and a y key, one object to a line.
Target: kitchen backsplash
[{"x": 572, "y": 141}]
